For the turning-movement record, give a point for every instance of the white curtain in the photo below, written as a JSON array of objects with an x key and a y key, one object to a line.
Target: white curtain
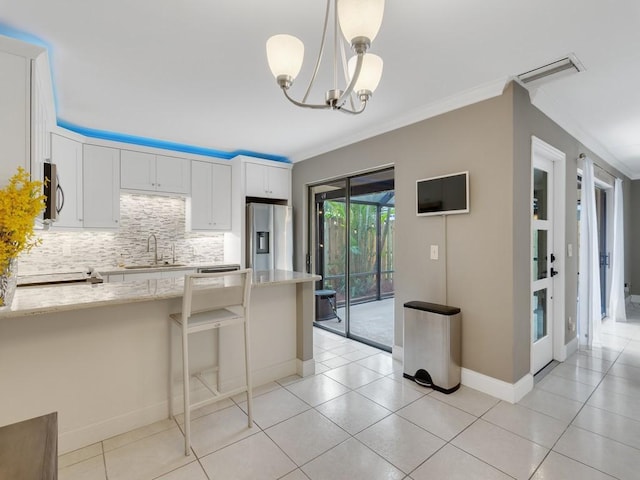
[
  {"x": 589, "y": 307},
  {"x": 616, "y": 301}
]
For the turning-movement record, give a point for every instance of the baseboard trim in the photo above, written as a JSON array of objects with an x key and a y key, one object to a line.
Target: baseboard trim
[
  {"x": 509, "y": 392},
  {"x": 397, "y": 353},
  {"x": 81, "y": 437},
  {"x": 74, "y": 439},
  {"x": 305, "y": 368},
  {"x": 570, "y": 348}
]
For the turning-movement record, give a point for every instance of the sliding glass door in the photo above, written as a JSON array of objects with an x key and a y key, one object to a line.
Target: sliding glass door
[{"x": 354, "y": 222}]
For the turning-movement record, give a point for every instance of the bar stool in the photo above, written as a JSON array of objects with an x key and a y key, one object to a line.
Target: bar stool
[{"x": 211, "y": 301}]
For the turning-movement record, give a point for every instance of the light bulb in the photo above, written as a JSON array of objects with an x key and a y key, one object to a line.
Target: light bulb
[
  {"x": 360, "y": 18},
  {"x": 285, "y": 54},
  {"x": 370, "y": 73}
]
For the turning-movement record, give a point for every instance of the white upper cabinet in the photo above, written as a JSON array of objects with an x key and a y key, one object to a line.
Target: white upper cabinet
[
  {"x": 137, "y": 170},
  {"x": 101, "y": 192},
  {"x": 173, "y": 174},
  {"x": 14, "y": 114},
  {"x": 267, "y": 181},
  {"x": 155, "y": 173},
  {"x": 26, "y": 108},
  {"x": 210, "y": 196},
  {"x": 67, "y": 155}
]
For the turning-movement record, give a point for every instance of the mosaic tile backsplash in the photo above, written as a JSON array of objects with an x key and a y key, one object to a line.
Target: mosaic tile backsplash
[{"x": 140, "y": 216}]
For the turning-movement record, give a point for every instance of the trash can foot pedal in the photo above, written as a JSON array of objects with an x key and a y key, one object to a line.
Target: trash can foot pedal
[{"x": 423, "y": 378}]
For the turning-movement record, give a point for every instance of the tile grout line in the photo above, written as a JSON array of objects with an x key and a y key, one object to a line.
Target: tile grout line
[{"x": 575, "y": 416}]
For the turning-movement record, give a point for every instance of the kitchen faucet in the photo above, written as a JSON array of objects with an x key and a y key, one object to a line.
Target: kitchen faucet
[{"x": 155, "y": 247}]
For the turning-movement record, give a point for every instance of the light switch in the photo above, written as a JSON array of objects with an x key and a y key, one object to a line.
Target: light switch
[
  {"x": 434, "y": 252},
  {"x": 570, "y": 250}
]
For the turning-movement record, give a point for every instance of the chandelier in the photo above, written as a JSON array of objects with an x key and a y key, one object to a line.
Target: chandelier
[{"x": 359, "y": 21}]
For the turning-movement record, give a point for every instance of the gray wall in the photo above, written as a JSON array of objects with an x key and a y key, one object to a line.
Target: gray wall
[
  {"x": 484, "y": 266},
  {"x": 477, "y": 275},
  {"x": 528, "y": 121}
]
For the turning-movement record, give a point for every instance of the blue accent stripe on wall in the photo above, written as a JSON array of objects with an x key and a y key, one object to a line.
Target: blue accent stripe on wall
[
  {"x": 176, "y": 147},
  {"x": 12, "y": 32}
]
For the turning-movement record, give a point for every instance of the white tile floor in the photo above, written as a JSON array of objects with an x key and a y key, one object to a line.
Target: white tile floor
[{"x": 359, "y": 419}]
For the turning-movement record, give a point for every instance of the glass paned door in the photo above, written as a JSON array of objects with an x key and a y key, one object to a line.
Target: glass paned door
[
  {"x": 601, "y": 215},
  {"x": 542, "y": 263}
]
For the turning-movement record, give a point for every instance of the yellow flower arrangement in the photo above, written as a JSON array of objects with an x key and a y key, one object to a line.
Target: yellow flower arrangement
[{"x": 21, "y": 201}]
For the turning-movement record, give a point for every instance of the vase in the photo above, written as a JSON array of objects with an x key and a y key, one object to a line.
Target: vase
[{"x": 8, "y": 283}]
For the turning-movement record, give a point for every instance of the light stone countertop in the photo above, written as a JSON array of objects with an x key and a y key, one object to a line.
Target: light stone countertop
[
  {"x": 39, "y": 300},
  {"x": 161, "y": 267}
]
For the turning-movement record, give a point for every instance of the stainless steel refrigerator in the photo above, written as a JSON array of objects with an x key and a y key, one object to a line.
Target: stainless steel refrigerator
[{"x": 269, "y": 237}]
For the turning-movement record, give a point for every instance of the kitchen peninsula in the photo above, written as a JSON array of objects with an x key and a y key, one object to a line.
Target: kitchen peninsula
[{"x": 98, "y": 353}]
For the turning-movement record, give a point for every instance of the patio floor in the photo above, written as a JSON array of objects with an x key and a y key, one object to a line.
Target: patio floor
[{"x": 370, "y": 320}]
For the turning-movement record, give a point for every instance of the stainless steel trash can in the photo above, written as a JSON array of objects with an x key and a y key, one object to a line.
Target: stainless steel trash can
[{"x": 432, "y": 345}]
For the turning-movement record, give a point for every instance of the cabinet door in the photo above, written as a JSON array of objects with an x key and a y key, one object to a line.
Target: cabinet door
[
  {"x": 279, "y": 182},
  {"x": 136, "y": 277},
  {"x": 177, "y": 273},
  {"x": 14, "y": 115},
  {"x": 67, "y": 155},
  {"x": 101, "y": 192},
  {"x": 201, "y": 188},
  {"x": 138, "y": 170},
  {"x": 255, "y": 182},
  {"x": 173, "y": 174},
  {"x": 221, "y": 197}
]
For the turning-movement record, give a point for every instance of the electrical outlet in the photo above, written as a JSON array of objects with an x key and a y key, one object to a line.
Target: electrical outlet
[
  {"x": 66, "y": 250},
  {"x": 572, "y": 325},
  {"x": 434, "y": 252}
]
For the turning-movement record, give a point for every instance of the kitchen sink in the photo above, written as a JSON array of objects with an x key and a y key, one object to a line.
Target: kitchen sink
[{"x": 157, "y": 265}]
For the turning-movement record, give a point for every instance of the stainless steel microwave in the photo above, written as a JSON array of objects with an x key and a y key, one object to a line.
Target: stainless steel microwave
[{"x": 53, "y": 192}]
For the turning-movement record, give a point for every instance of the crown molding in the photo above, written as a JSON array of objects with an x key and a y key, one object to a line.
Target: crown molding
[
  {"x": 555, "y": 112},
  {"x": 447, "y": 104}
]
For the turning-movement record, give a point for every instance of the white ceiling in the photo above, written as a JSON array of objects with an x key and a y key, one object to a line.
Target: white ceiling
[{"x": 195, "y": 72}]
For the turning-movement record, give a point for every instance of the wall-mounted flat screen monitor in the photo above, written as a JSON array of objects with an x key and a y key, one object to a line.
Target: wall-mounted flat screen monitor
[{"x": 443, "y": 195}]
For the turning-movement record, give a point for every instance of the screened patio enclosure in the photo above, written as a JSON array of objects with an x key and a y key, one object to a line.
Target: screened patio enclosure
[{"x": 354, "y": 237}]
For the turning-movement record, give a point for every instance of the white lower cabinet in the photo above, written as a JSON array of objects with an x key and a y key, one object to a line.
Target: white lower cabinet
[
  {"x": 177, "y": 273},
  {"x": 210, "y": 196},
  {"x": 113, "y": 277},
  {"x": 101, "y": 189},
  {"x": 136, "y": 276}
]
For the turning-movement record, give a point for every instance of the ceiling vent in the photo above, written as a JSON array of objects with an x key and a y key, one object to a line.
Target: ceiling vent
[{"x": 552, "y": 71}]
